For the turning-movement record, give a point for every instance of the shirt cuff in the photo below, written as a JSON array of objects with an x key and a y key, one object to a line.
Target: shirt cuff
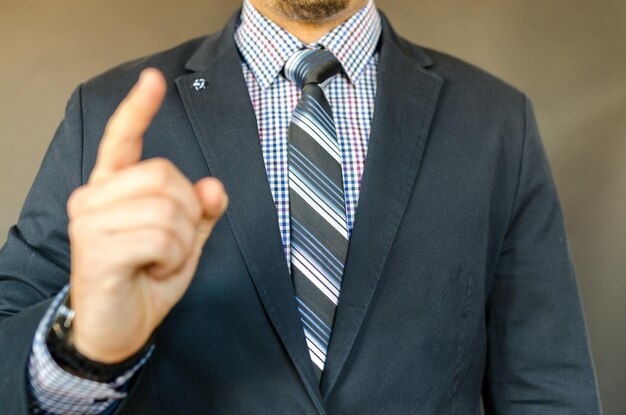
[{"x": 56, "y": 391}]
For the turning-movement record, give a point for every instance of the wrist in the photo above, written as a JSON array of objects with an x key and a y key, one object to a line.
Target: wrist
[
  {"x": 60, "y": 341},
  {"x": 109, "y": 350},
  {"x": 109, "y": 325}
]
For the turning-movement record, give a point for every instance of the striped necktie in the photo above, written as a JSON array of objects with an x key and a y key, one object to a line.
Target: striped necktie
[{"x": 319, "y": 232}]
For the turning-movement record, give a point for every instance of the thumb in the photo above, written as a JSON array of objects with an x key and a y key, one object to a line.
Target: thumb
[
  {"x": 214, "y": 201},
  {"x": 122, "y": 142}
]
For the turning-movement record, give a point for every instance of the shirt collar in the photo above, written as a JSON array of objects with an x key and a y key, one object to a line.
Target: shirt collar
[{"x": 265, "y": 46}]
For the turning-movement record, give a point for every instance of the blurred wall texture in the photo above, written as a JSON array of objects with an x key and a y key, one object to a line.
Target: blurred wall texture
[{"x": 569, "y": 56}]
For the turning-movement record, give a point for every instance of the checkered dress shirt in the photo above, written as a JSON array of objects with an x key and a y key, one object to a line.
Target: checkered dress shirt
[{"x": 264, "y": 47}]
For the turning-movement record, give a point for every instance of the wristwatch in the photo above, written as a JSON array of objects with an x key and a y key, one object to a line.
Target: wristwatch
[{"x": 65, "y": 354}]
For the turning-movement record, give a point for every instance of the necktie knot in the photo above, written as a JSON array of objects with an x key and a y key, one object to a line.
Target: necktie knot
[{"x": 308, "y": 66}]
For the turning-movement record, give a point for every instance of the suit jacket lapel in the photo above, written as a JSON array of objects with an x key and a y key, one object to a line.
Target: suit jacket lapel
[
  {"x": 405, "y": 103},
  {"x": 224, "y": 122}
]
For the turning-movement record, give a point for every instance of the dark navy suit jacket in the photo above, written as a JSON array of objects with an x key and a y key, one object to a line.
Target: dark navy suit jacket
[{"x": 458, "y": 279}]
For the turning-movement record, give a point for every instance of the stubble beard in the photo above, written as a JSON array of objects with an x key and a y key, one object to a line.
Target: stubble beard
[{"x": 313, "y": 11}]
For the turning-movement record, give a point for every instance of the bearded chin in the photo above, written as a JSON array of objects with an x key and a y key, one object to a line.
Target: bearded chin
[{"x": 315, "y": 11}]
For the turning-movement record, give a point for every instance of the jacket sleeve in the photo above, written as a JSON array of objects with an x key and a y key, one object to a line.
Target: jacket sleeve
[
  {"x": 35, "y": 261},
  {"x": 538, "y": 359}
]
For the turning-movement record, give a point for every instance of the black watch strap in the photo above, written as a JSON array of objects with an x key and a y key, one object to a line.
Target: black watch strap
[{"x": 62, "y": 350}]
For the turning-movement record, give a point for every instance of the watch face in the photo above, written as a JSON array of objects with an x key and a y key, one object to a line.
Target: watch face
[
  {"x": 65, "y": 316},
  {"x": 62, "y": 323}
]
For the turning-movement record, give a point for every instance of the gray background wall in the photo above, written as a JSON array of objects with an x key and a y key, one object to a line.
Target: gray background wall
[{"x": 569, "y": 56}]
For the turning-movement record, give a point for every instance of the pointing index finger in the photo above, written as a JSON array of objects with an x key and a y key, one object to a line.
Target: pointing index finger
[{"x": 122, "y": 140}]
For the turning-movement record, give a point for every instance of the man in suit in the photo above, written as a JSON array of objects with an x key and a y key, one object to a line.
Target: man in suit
[{"x": 451, "y": 281}]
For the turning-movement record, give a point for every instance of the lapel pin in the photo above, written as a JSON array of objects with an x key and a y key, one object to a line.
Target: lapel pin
[{"x": 199, "y": 84}]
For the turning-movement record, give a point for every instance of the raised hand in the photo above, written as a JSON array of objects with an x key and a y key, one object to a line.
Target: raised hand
[{"x": 136, "y": 232}]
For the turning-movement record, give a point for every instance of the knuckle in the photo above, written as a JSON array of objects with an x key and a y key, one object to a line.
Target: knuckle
[
  {"x": 161, "y": 242},
  {"x": 162, "y": 162},
  {"x": 72, "y": 229},
  {"x": 161, "y": 171},
  {"x": 195, "y": 209},
  {"x": 187, "y": 235},
  {"x": 167, "y": 211},
  {"x": 74, "y": 201},
  {"x": 78, "y": 227}
]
